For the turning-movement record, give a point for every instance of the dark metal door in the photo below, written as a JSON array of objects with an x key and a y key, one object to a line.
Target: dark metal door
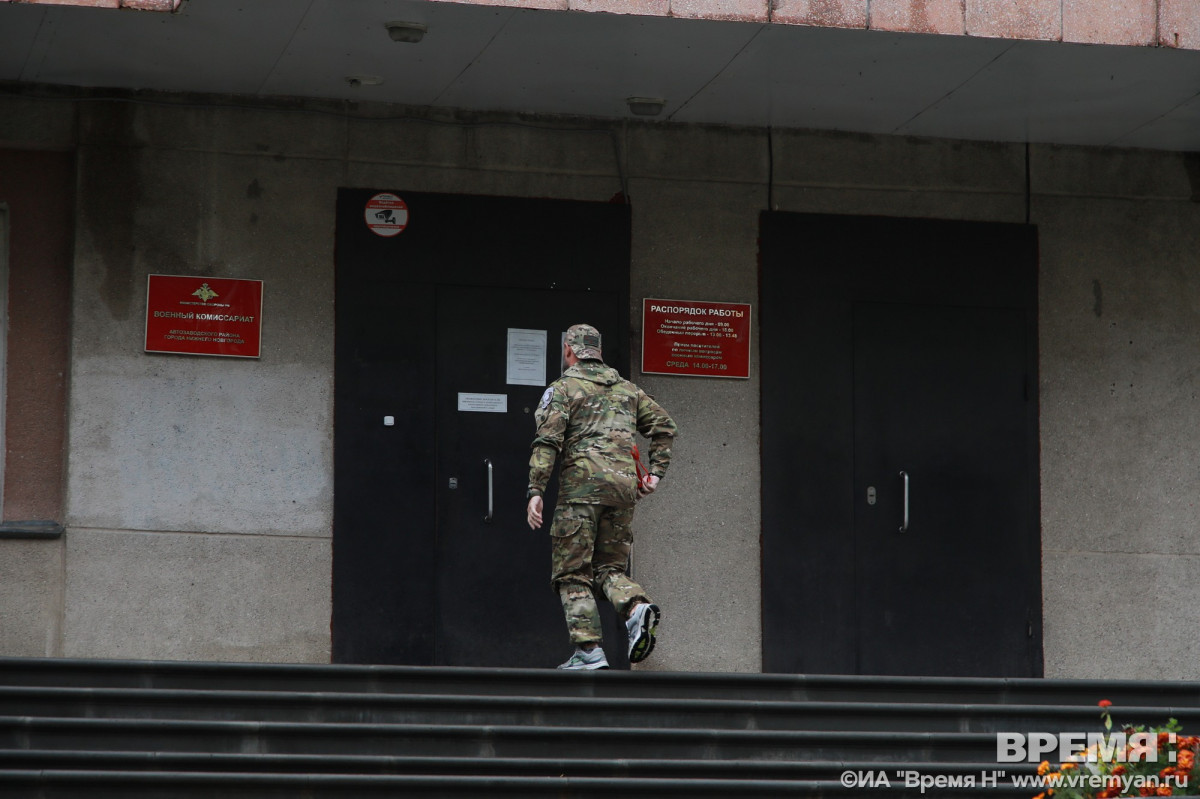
[
  {"x": 899, "y": 391},
  {"x": 422, "y": 315},
  {"x": 939, "y": 457},
  {"x": 495, "y": 606}
]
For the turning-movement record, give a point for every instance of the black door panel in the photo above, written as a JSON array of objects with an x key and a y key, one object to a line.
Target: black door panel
[
  {"x": 495, "y": 606},
  {"x": 939, "y": 399},
  {"x": 418, "y": 578},
  {"x": 899, "y": 346}
]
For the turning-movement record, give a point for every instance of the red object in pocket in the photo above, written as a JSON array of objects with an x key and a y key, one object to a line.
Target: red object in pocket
[{"x": 643, "y": 473}]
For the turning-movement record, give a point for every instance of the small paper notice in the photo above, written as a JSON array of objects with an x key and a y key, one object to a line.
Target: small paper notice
[
  {"x": 526, "y": 357},
  {"x": 483, "y": 403}
]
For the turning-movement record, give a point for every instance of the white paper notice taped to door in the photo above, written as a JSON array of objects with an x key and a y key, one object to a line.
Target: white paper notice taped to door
[
  {"x": 483, "y": 403},
  {"x": 526, "y": 357}
]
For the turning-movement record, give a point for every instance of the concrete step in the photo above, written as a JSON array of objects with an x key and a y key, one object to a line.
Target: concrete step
[
  {"x": 214, "y": 785},
  {"x": 394, "y": 708},
  {"x": 583, "y": 766},
  {"x": 512, "y": 741},
  {"x": 550, "y": 682},
  {"x": 188, "y": 730}
]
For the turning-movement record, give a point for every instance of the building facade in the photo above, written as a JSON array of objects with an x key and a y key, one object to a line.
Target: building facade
[{"x": 196, "y": 495}]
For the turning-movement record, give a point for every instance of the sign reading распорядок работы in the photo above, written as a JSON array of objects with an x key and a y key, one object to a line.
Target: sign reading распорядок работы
[
  {"x": 698, "y": 339},
  {"x": 204, "y": 316}
]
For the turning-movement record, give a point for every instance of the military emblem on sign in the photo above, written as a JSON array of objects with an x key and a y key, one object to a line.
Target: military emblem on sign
[{"x": 204, "y": 293}]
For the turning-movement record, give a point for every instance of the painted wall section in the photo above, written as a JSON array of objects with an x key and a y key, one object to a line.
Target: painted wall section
[
  {"x": 1145, "y": 23},
  {"x": 38, "y": 191},
  {"x": 199, "y": 489}
]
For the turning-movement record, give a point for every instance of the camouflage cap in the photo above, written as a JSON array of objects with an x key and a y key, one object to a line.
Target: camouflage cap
[{"x": 584, "y": 341}]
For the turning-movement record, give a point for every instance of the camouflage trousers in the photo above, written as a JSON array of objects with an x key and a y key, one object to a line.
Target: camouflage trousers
[{"x": 590, "y": 547}]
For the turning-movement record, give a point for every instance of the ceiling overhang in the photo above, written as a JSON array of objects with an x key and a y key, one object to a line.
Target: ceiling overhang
[{"x": 520, "y": 60}]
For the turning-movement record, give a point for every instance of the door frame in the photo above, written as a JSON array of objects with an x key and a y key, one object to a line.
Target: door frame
[{"x": 814, "y": 267}]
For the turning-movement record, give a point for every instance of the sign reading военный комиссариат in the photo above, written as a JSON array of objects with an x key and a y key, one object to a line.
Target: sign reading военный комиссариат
[{"x": 204, "y": 316}]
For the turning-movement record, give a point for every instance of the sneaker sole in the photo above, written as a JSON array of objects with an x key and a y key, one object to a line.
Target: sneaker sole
[
  {"x": 597, "y": 667},
  {"x": 645, "y": 642}
]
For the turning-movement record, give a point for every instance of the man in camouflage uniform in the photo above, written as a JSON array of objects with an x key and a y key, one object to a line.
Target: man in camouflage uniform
[{"x": 591, "y": 415}]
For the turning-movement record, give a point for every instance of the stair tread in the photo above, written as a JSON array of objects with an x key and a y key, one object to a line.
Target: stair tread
[
  {"x": 373, "y": 677},
  {"x": 514, "y": 729},
  {"x": 532, "y": 700},
  {"x": 440, "y": 761},
  {"x": 616, "y": 783}
]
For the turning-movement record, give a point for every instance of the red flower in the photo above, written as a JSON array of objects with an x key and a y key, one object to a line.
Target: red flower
[{"x": 1105, "y": 703}]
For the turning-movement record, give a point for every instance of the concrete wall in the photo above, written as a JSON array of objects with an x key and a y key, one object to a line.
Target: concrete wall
[
  {"x": 696, "y": 194},
  {"x": 200, "y": 489},
  {"x": 1120, "y": 295},
  {"x": 199, "y": 492}
]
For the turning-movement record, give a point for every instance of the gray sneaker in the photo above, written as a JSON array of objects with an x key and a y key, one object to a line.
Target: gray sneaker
[
  {"x": 641, "y": 626},
  {"x": 586, "y": 660}
]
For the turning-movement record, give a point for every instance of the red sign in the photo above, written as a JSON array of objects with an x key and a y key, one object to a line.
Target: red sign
[
  {"x": 386, "y": 215},
  {"x": 204, "y": 316},
  {"x": 701, "y": 339}
]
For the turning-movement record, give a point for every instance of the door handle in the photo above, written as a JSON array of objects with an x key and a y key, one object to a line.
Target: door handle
[
  {"x": 491, "y": 472},
  {"x": 904, "y": 521}
]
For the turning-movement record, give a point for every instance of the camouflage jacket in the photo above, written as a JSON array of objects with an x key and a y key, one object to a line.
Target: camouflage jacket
[{"x": 590, "y": 415}]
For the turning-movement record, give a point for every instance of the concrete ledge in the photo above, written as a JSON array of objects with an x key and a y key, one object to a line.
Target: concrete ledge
[{"x": 33, "y": 529}]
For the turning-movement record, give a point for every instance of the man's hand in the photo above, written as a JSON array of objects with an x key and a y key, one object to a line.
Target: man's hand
[
  {"x": 647, "y": 485},
  {"x": 533, "y": 513}
]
